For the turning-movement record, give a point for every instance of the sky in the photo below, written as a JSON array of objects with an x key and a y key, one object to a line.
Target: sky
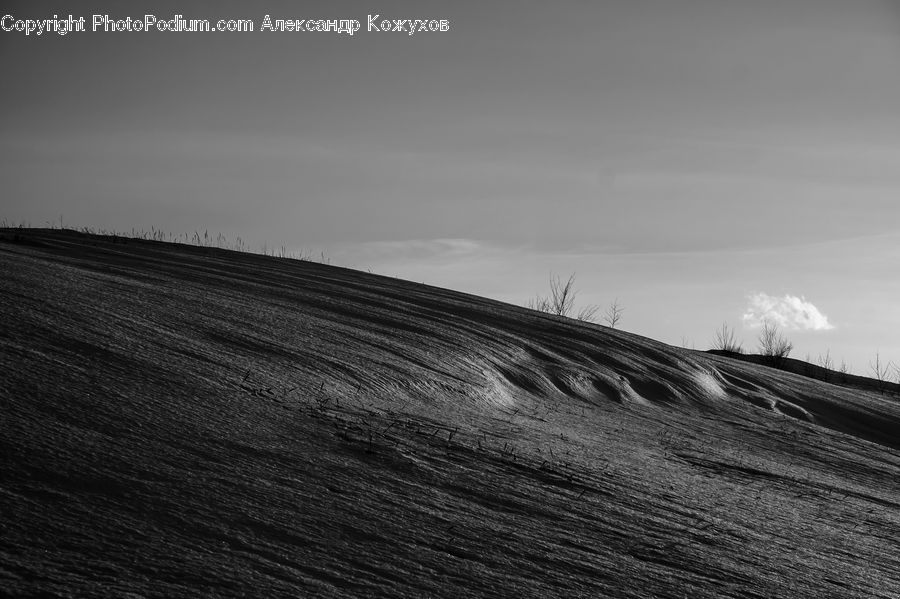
[{"x": 701, "y": 161}]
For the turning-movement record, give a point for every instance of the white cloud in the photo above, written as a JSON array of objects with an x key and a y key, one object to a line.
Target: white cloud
[{"x": 788, "y": 312}]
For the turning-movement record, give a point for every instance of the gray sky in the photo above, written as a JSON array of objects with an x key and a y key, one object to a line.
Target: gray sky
[{"x": 684, "y": 156}]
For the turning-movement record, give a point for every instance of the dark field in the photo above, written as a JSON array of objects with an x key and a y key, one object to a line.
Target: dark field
[{"x": 179, "y": 421}]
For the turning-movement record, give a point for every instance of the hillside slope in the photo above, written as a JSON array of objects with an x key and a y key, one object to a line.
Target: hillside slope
[{"x": 181, "y": 421}]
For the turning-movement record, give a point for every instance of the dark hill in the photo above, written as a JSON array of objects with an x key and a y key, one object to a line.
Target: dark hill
[{"x": 180, "y": 421}]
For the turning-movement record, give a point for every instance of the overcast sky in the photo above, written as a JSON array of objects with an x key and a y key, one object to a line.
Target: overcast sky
[{"x": 700, "y": 160}]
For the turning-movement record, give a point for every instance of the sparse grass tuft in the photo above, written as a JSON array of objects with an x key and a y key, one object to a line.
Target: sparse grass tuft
[{"x": 206, "y": 240}]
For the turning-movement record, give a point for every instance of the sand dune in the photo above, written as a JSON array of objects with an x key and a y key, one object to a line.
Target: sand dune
[{"x": 186, "y": 421}]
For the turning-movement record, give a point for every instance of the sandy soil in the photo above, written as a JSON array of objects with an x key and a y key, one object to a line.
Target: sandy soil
[{"x": 179, "y": 421}]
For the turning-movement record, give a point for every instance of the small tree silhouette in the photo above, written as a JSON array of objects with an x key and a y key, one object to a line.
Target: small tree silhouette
[{"x": 613, "y": 314}]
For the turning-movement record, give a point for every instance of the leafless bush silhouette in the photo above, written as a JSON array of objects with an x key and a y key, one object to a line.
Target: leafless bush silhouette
[
  {"x": 773, "y": 343},
  {"x": 881, "y": 371},
  {"x": 561, "y": 300},
  {"x": 725, "y": 340},
  {"x": 613, "y": 314}
]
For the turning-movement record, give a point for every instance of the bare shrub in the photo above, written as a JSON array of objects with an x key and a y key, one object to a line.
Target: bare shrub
[
  {"x": 561, "y": 300},
  {"x": 773, "y": 343},
  {"x": 881, "y": 371},
  {"x": 613, "y": 314},
  {"x": 726, "y": 341},
  {"x": 588, "y": 313}
]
